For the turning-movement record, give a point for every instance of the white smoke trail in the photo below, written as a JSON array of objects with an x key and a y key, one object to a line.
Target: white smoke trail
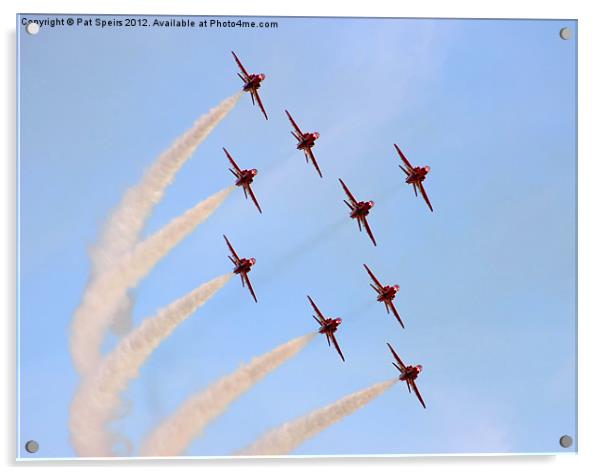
[
  {"x": 97, "y": 399},
  {"x": 123, "y": 228},
  {"x": 104, "y": 297},
  {"x": 123, "y": 318},
  {"x": 164, "y": 240},
  {"x": 174, "y": 434},
  {"x": 284, "y": 439}
]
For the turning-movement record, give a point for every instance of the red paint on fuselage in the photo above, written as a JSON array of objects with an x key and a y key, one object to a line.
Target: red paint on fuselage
[
  {"x": 254, "y": 82},
  {"x": 246, "y": 177},
  {"x": 418, "y": 175},
  {"x": 330, "y": 325},
  {"x": 361, "y": 209},
  {"x": 308, "y": 140},
  {"x": 388, "y": 293},
  {"x": 411, "y": 373},
  {"x": 244, "y": 265}
]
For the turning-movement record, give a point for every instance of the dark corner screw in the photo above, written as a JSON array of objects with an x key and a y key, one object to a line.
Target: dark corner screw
[
  {"x": 32, "y": 446},
  {"x": 566, "y": 441}
]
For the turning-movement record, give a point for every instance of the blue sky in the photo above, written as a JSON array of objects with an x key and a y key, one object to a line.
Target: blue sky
[{"x": 487, "y": 281}]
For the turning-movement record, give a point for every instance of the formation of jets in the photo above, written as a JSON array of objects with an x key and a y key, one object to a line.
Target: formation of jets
[{"x": 359, "y": 211}]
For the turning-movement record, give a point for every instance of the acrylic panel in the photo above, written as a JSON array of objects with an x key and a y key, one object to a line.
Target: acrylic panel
[{"x": 413, "y": 189}]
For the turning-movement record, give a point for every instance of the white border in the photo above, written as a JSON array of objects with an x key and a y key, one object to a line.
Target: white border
[{"x": 590, "y": 234}]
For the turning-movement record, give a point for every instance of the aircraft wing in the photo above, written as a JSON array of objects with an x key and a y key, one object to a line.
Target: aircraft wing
[
  {"x": 313, "y": 160},
  {"x": 396, "y": 356},
  {"x": 336, "y": 345},
  {"x": 378, "y": 284},
  {"x": 256, "y": 94},
  {"x": 392, "y": 305},
  {"x": 403, "y": 158},
  {"x": 415, "y": 388},
  {"x": 368, "y": 230},
  {"x": 316, "y": 309},
  {"x": 242, "y": 68},
  {"x": 231, "y": 160},
  {"x": 425, "y": 196},
  {"x": 293, "y": 123},
  {"x": 246, "y": 279},
  {"x": 232, "y": 249},
  {"x": 250, "y": 190},
  {"x": 349, "y": 195}
]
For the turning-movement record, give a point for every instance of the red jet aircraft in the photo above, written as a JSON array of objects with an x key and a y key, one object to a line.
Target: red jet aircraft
[
  {"x": 306, "y": 141},
  {"x": 242, "y": 267},
  {"x": 386, "y": 294},
  {"x": 414, "y": 176},
  {"x": 359, "y": 211},
  {"x": 408, "y": 374},
  {"x": 328, "y": 326},
  {"x": 244, "y": 178},
  {"x": 252, "y": 83}
]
